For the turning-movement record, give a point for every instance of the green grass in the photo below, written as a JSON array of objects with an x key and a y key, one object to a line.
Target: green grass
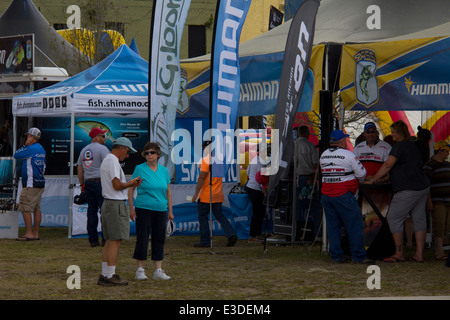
[{"x": 38, "y": 270}]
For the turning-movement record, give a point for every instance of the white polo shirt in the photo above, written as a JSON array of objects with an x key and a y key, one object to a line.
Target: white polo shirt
[{"x": 110, "y": 169}]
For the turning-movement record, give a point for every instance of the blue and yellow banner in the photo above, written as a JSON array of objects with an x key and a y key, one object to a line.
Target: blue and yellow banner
[
  {"x": 259, "y": 85},
  {"x": 396, "y": 75}
]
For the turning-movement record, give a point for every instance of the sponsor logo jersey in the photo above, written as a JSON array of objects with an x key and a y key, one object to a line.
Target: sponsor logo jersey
[
  {"x": 373, "y": 157},
  {"x": 341, "y": 172},
  {"x": 33, "y": 165}
]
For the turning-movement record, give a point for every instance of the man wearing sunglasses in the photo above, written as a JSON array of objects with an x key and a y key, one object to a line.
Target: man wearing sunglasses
[
  {"x": 372, "y": 152},
  {"x": 88, "y": 169}
]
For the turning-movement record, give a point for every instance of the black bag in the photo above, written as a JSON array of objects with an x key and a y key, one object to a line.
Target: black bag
[{"x": 80, "y": 199}]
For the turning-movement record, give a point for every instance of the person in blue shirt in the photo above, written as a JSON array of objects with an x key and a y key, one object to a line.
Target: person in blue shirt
[
  {"x": 32, "y": 155},
  {"x": 151, "y": 210}
]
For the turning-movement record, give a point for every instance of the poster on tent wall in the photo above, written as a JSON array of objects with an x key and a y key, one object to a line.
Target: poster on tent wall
[
  {"x": 56, "y": 139},
  {"x": 396, "y": 75},
  {"x": 225, "y": 88},
  {"x": 17, "y": 54},
  {"x": 296, "y": 62},
  {"x": 167, "y": 28}
]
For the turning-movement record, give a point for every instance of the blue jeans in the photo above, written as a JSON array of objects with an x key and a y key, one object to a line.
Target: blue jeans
[
  {"x": 315, "y": 213},
  {"x": 344, "y": 211},
  {"x": 203, "y": 219},
  {"x": 258, "y": 213},
  {"x": 94, "y": 198}
]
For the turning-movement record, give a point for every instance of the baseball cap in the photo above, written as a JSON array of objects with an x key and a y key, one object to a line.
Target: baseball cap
[
  {"x": 96, "y": 131},
  {"x": 122, "y": 141},
  {"x": 337, "y": 135},
  {"x": 35, "y": 132},
  {"x": 369, "y": 125},
  {"x": 442, "y": 144}
]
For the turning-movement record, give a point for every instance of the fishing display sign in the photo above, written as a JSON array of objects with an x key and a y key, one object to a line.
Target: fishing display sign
[
  {"x": 17, "y": 54},
  {"x": 56, "y": 139}
]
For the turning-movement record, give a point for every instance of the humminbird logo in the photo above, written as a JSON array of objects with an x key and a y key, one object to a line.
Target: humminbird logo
[
  {"x": 167, "y": 65},
  {"x": 426, "y": 89}
]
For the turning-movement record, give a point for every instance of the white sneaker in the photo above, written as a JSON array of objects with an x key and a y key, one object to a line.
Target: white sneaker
[
  {"x": 140, "y": 274},
  {"x": 160, "y": 275}
]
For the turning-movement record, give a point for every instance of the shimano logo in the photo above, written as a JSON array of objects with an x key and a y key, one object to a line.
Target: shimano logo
[{"x": 124, "y": 88}]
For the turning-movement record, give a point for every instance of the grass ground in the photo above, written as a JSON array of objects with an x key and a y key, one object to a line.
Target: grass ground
[{"x": 37, "y": 270}]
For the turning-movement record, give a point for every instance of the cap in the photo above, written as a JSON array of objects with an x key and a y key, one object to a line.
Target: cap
[
  {"x": 442, "y": 144},
  {"x": 35, "y": 132},
  {"x": 122, "y": 141},
  {"x": 96, "y": 131},
  {"x": 369, "y": 125},
  {"x": 337, "y": 135}
]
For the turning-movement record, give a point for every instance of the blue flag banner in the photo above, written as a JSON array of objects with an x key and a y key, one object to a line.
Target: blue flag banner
[{"x": 225, "y": 88}]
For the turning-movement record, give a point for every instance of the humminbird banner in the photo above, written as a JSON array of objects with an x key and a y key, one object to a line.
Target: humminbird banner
[
  {"x": 169, "y": 17},
  {"x": 396, "y": 75},
  {"x": 225, "y": 88},
  {"x": 293, "y": 74}
]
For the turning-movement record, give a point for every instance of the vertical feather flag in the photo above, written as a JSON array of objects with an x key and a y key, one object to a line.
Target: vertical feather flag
[
  {"x": 293, "y": 74},
  {"x": 225, "y": 81},
  {"x": 168, "y": 19}
]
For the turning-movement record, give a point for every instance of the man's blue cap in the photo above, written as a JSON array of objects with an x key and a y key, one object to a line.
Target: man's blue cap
[
  {"x": 369, "y": 125},
  {"x": 337, "y": 135}
]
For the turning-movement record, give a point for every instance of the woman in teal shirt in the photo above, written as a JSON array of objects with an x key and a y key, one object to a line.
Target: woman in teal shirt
[{"x": 151, "y": 210}]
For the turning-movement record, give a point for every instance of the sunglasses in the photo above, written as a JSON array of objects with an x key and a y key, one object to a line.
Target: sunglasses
[
  {"x": 150, "y": 152},
  {"x": 101, "y": 135},
  {"x": 371, "y": 131}
]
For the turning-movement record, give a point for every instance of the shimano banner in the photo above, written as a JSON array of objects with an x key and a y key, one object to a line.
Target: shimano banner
[
  {"x": 168, "y": 21},
  {"x": 225, "y": 88},
  {"x": 293, "y": 74}
]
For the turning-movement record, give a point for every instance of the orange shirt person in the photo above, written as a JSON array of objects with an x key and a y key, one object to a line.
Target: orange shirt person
[{"x": 214, "y": 197}]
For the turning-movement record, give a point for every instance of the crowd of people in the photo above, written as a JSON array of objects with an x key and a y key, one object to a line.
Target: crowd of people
[
  {"x": 107, "y": 191},
  {"x": 420, "y": 184}
]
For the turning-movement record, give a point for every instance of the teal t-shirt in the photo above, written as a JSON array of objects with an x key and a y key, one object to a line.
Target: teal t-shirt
[{"x": 152, "y": 193}]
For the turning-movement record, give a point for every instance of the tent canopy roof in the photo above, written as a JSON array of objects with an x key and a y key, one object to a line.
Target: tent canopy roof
[
  {"x": 116, "y": 86},
  {"x": 345, "y": 21}
]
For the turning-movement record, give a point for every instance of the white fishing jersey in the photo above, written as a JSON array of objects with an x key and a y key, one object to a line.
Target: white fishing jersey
[
  {"x": 341, "y": 172},
  {"x": 372, "y": 158}
]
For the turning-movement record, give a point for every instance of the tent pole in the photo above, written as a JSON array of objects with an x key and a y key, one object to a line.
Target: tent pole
[
  {"x": 324, "y": 224},
  {"x": 72, "y": 151},
  {"x": 14, "y": 178}
]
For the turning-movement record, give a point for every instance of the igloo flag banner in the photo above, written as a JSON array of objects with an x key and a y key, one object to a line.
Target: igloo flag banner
[
  {"x": 168, "y": 19},
  {"x": 225, "y": 84},
  {"x": 295, "y": 67}
]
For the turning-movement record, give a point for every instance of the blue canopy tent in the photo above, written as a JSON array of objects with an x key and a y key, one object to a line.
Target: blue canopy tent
[{"x": 115, "y": 87}]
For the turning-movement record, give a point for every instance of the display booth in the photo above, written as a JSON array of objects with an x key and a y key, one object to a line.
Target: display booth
[{"x": 102, "y": 96}]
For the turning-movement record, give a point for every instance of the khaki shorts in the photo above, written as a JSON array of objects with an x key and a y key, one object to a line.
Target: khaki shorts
[
  {"x": 115, "y": 220},
  {"x": 441, "y": 221},
  {"x": 30, "y": 200}
]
